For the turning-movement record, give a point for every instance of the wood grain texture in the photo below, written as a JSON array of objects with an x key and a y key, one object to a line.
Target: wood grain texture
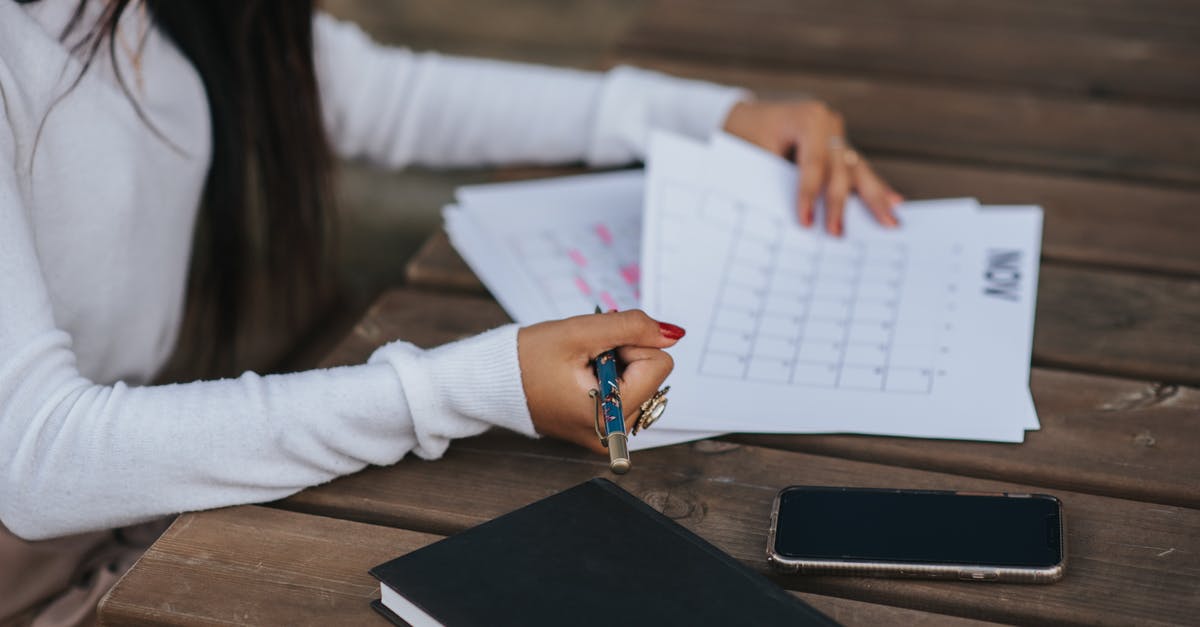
[
  {"x": 1130, "y": 562},
  {"x": 1121, "y": 323},
  {"x": 994, "y": 127},
  {"x": 1099, "y": 435},
  {"x": 263, "y": 566},
  {"x": 1040, "y": 49},
  {"x": 1098, "y": 321},
  {"x": 258, "y": 566}
]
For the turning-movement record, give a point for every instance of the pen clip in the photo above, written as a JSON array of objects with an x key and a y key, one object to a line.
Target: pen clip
[{"x": 595, "y": 394}]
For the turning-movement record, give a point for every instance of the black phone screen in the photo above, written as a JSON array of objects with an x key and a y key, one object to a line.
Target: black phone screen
[{"x": 919, "y": 527}]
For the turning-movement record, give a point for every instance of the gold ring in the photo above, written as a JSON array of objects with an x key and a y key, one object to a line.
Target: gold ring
[
  {"x": 650, "y": 411},
  {"x": 837, "y": 142},
  {"x": 850, "y": 157}
]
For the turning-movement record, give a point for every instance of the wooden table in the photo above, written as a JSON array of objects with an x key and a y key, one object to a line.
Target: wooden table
[{"x": 1088, "y": 107}]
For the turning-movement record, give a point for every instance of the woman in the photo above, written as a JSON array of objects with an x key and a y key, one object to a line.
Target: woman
[{"x": 131, "y": 130}]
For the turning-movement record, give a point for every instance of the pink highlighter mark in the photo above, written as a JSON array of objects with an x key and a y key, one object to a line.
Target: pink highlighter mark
[
  {"x": 608, "y": 301},
  {"x": 604, "y": 234},
  {"x": 583, "y": 286},
  {"x": 577, "y": 257},
  {"x": 631, "y": 273}
]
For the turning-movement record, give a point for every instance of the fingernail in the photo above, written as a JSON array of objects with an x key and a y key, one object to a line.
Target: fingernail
[{"x": 670, "y": 331}]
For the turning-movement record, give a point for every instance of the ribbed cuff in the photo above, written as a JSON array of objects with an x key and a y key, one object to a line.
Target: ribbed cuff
[
  {"x": 451, "y": 387},
  {"x": 635, "y": 101},
  {"x": 480, "y": 377}
]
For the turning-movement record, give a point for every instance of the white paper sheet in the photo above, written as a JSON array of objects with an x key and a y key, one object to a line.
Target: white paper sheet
[{"x": 792, "y": 330}]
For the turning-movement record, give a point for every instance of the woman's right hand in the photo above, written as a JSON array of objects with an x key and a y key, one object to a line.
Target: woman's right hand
[{"x": 556, "y": 368}]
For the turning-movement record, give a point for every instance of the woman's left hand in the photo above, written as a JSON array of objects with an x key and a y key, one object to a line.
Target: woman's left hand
[{"x": 815, "y": 136}]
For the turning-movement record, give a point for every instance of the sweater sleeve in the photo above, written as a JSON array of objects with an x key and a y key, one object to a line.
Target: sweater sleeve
[
  {"x": 77, "y": 455},
  {"x": 396, "y": 107}
]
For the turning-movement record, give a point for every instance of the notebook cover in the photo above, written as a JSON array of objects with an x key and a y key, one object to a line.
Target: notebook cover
[{"x": 590, "y": 555}]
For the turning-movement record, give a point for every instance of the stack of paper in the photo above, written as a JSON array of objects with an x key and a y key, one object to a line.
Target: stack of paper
[{"x": 920, "y": 331}]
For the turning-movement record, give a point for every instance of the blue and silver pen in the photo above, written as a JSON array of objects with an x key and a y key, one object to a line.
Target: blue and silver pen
[{"x": 611, "y": 413}]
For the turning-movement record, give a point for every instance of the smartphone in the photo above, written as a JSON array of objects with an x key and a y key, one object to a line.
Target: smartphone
[{"x": 972, "y": 536}]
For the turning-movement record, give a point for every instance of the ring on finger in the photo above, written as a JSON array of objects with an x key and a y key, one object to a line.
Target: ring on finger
[
  {"x": 837, "y": 142},
  {"x": 850, "y": 157},
  {"x": 650, "y": 411}
]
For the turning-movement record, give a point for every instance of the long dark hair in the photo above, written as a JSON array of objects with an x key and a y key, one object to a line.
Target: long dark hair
[{"x": 266, "y": 217}]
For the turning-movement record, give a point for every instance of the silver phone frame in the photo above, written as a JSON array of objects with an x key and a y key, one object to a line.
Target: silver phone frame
[{"x": 961, "y": 572}]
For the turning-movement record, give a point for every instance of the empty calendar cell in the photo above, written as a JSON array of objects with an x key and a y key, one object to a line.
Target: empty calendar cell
[
  {"x": 872, "y": 332},
  {"x": 780, "y": 326},
  {"x": 737, "y": 342},
  {"x": 754, "y": 251},
  {"x": 819, "y": 374},
  {"x": 792, "y": 263},
  {"x": 795, "y": 303},
  {"x": 768, "y": 346},
  {"x": 861, "y": 377},
  {"x": 830, "y": 309},
  {"x": 754, "y": 275},
  {"x": 723, "y": 365},
  {"x": 744, "y": 296},
  {"x": 824, "y": 329},
  {"x": 820, "y": 350},
  {"x": 772, "y": 370},
  {"x": 874, "y": 310},
  {"x": 736, "y": 319},
  {"x": 833, "y": 290},
  {"x": 866, "y": 354},
  {"x": 909, "y": 380},
  {"x": 913, "y": 355}
]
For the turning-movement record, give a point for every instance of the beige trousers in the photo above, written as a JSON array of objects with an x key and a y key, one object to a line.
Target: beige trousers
[{"x": 60, "y": 582}]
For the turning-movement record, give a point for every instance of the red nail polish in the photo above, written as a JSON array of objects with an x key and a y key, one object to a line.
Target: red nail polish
[{"x": 670, "y": 331}]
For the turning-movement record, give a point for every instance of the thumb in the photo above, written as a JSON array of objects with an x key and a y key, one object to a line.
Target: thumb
[{"x": 600, "y": 332}]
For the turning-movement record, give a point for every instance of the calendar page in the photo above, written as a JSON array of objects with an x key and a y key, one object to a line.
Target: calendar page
[
  {"x": 790, "y": 329},
  {"x": 554, "y": 248}
]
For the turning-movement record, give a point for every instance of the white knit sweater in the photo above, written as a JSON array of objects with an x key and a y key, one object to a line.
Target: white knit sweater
[{"x": 96, "y": 219}]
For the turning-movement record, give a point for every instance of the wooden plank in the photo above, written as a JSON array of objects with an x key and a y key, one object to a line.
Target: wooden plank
[
  {"x": 1161, "y": 62},
  {"x": 895, "y": 117},
  {"x": 1130, "y": 562},
  {"x": 563, "y": 32},
  {"x": 1096, "y": 321},
  {"x": 1120, "y": 323},
  {"x": 1171, "y": 19},
  {"x": 1099, "y": 435},
  {"x": 256, "y": 565}
]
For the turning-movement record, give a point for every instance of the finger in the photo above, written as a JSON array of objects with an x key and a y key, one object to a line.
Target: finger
[
  {"x": 600, "y": 332},
  {"x": 876, "y": 194},
  {"x": 645, "y": 371},
  {"x": 812, "y": 163},
  {"x": 835, "y": 196}
]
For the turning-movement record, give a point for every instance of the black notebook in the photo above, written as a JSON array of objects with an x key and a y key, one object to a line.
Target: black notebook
[{"x": 590, "y": 555}]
